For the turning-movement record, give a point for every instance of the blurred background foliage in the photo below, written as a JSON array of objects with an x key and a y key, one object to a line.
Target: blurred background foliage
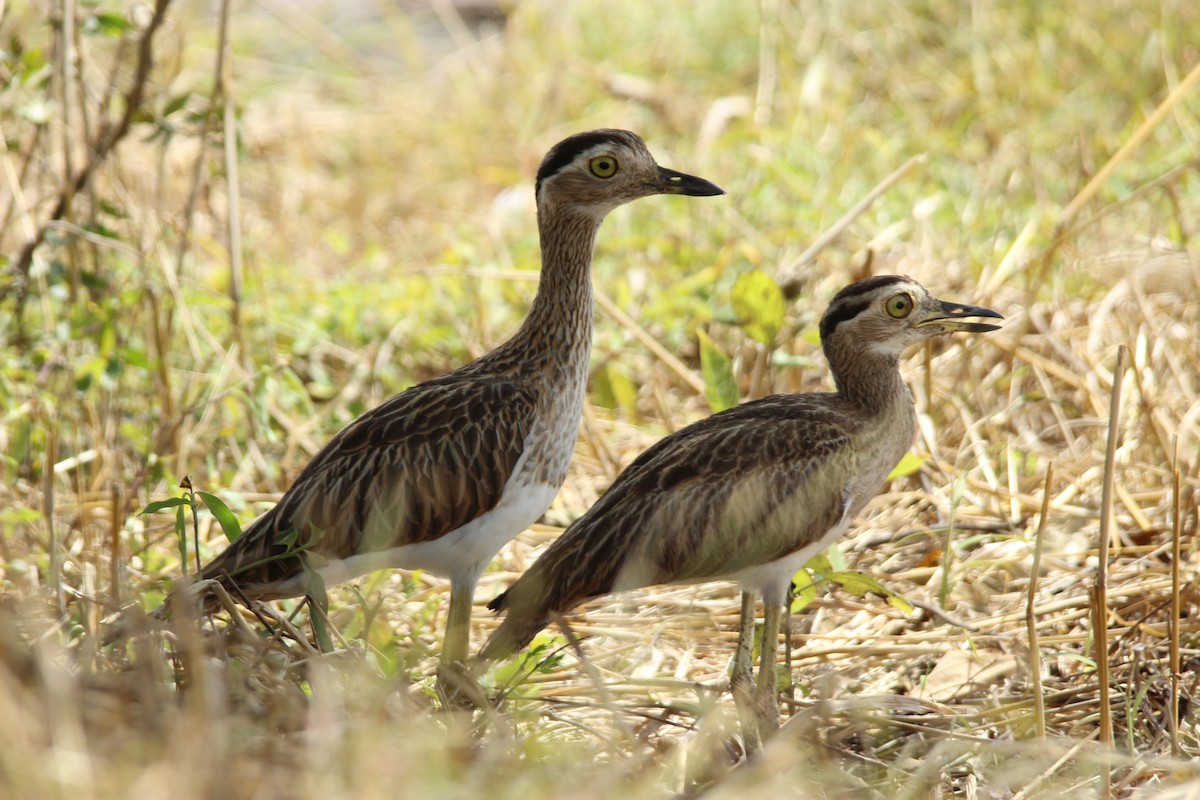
[{"x": 229, "y": 228}]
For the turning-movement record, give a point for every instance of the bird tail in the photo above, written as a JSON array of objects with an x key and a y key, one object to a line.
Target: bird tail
[
  {"x": 259, "y": 565},
  {"x": 523, "y": 622}
]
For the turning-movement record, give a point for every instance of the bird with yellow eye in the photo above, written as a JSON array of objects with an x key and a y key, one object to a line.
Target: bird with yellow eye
[{"x": 750, "y": 494}]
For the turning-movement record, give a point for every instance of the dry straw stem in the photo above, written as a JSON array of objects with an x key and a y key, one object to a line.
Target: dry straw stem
[
  {"x": 233, "y": 225},
  {"x": 1176, "y": 599},
  {"x": 1103, "y": 548},
  {"x": 1151, "y": 122}
]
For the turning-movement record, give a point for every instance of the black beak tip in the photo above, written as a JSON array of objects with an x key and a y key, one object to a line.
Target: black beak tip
[{"x": 672, "y": 182}]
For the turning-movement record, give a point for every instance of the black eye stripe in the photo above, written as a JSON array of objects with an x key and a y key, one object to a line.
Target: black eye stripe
[
  {"x": 839, "y": 313},
  {"x": 569, "y": 149}
]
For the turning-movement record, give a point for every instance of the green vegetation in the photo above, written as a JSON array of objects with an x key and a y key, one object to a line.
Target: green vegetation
[{"x": 235, "y": 263}]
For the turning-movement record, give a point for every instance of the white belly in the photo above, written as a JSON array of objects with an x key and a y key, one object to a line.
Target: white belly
[
  {"x": 770, "y": 581},
  {"x": 463, "y": 553}
]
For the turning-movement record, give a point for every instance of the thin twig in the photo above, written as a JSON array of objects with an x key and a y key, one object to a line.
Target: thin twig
[
  {"x": 651, "y": 344},
  {"x": 48, "y": 511},
  {"x": 1061, "y": 235},
  {"x": 116, "y": 523},
  {"x": 789, "y": 277},
  {"x": 1035, "y": 655},
  {"x": 106, "y": 140}
]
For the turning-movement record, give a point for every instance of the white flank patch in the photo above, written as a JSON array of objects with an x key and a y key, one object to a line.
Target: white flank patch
[{"x": 463, "y": 553}]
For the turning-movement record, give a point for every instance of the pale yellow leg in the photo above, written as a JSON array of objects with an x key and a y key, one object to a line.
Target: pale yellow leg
[
  {"x": 741, "y": 680},
  {"x": 454, "y": 681},
  {"x": 766, "y": 698}
]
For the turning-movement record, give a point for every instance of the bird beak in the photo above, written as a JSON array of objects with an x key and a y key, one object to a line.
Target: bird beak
[
  {"x": 951, "y": 318},
  {"x": 671, "y": 182}
]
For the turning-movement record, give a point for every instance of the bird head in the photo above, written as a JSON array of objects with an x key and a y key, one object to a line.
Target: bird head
[
  {"x": 596, "y": 171},
  {"x": 889, "y": 313}
]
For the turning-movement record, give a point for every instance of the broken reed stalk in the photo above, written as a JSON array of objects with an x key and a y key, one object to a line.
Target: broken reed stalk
[
  {"x": 1099, "y": 593},
  {"x": 1176, "y": 602},
  {"x": 1035, "y": 656}
]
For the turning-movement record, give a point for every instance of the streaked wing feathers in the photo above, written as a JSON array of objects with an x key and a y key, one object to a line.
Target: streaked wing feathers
[
  {"x": 703, "y": 503},
  {"x": 422, "y": 464}
]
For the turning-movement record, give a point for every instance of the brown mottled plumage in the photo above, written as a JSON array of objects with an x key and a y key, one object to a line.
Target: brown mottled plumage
[
  {"x": 440, "y": 476},
  {"x": 752, "y": 493}
]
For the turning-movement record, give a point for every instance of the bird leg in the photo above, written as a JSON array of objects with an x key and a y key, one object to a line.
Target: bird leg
[
  {"x": 766, "y": 698},
  {"x": 741, "y": 680},
  {"x": 455, "y": 683}
]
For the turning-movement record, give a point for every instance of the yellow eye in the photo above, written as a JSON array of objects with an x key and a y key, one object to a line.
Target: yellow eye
[
  {"x": 604, "y": 166},
  {"x": 899, "y": 306}
]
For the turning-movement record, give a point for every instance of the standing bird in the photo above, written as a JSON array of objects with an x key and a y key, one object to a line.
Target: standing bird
[
  {"x": 442, "y": 475},
  {"x": 750, "y": 494}
]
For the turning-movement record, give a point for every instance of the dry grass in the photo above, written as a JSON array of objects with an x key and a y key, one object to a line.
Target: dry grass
[{"x": 1048, "y": 170}]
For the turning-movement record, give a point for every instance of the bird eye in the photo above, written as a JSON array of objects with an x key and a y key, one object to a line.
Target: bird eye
[
  {"x": 899, "y": 306},
  {"x": 603, "y": 166}
]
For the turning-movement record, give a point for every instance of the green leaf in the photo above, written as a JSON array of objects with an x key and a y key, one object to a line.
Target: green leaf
[
  {"x": 720, "y": 387},
  {"x": 804, "y": 590},
  {"x": 543, "y": 656},
  {"x": 861, "y": 584},
  {"x": 106, "y": 23},
  {"x": 229, "y": 522},
  {"x": 909, "y": 464},
  {"x": 135, "y": 358},
  {"x": 288, "y": 539},
  {"x": 101, "y": 230},
  {"x": 624, "y": 390},
  {"x": 759, "y": 304},
  {"x": 785, "y": 360},
  {"x": 19, "y": 516},
  {"x": 826, "y": 562},
  {"x": 819, "y": 564},
  {"x": 177, "y": 102},
  {"x": 159, "y": 505},
  {"x": 112, "y": 209}
]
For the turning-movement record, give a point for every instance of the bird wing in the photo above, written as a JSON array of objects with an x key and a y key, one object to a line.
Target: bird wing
[
  {"x": 422, "y": 464},
  {"x": 744, "y": 487}
]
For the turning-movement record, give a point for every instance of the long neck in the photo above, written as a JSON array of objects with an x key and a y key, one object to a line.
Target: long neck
[
  {"x": 559, "y": 324},
  {"x": 867, "y": 378}
]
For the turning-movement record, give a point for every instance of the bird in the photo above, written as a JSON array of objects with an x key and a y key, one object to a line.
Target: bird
[
  {"x": 749, "y": 494},
  {"x": 440, "y": 476}
]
